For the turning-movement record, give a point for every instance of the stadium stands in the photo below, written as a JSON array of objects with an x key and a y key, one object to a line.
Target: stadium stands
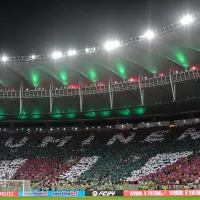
[
  {"x": 105, "y": 158},
  {"x": 183, "y": 171}
]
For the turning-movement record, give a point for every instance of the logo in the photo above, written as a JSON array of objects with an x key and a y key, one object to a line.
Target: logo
[
  {"x": 8, "y": 194},
  {"x": 73, "y": 193},
  {"x": 28, "y": 194},
  {"x": 64, "y": 193},
  {"x": 94, "y": 193},
  {"x": 103, "y": 193},
  {"x": 40, "y": 193}
]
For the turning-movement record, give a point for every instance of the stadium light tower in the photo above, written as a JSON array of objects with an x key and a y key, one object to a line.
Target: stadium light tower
[
  {"x": 110, "y": 45},
  {"x": 186, "y": 20},
  {"x": 149, "y": 35},
  {"x": 4, "y": 58},
  {"x": 56, "y": 54}
]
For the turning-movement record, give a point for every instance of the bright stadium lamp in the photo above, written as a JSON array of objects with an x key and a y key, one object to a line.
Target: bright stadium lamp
[
  {"x": 56, "y": 54},
  {"x": 4, "y": 58},
  {"x": 72, "y": 52},
  {"x": 110, "y": 45},
  {"x": 186, "y": 20},
  {"x": 33, "y": 57},
  {"x": 87, "y": 50},
  {"x": 149, "y": 35}
]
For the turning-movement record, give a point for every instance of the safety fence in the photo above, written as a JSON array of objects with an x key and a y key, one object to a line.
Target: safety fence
[{"x": 82, "y": 193}]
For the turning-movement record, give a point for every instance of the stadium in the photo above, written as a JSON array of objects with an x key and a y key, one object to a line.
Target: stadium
[{"x": 118, "y": 120}]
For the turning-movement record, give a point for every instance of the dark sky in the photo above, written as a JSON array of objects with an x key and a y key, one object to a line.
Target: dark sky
[{"x": 40, "y": 26}]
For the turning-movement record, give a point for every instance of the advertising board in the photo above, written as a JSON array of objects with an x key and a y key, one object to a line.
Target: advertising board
[
  {"x": 162, "y": 193},
  {"x": 52, "y": 193},
  {"x": 67, "y": 193},
  {"x": 33, "y": 193},
  {"x": 104, "y": 193},
  {"x": 8, "y": 194}
]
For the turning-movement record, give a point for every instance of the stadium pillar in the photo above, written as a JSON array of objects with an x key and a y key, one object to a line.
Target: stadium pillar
[
  {"x": 50, "y": 99},
  {"x": 110, "y": 93},
  {"x": 141, "y": 90},
  {"x": 173, "y": 85},
  {"x": 81, "y": 98},
  {"x": 20, "y": 98}
]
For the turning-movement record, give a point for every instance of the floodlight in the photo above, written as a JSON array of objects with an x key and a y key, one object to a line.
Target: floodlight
[
  {"x": 186, "y": 20},
  {"x": 4, "y": 58},
  {"x": 87, "y": 50},
  {"x": 33, "y": 57},
  {"x": 72, "y": 52},
  {"x": 110, "y": 45},
  {"x": 149, "y": 35},
  {"x": 56, "y": 54}
]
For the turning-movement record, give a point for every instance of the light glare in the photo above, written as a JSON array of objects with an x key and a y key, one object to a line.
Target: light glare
[
  {"x": 56, "y": 54},
  {"x": 149, "y": 35},
  {"x": 87, "y": 50},
  {"x": 72, "y": 52},
  {"x": 110, "y": 45},
  {"x": 4, "y": 58},
  {"x": 188, "y": 19}
]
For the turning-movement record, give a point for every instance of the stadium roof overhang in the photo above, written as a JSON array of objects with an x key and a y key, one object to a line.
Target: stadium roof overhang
[{"x": 176, "y": 50}]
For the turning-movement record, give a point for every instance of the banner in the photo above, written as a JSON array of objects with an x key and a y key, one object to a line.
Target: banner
[
  {"x": 8, "y": 194},
  {"x": 104, "y": 193},
  {"x": 162, "y": 193},
  {"x": 67, "y": 193},
  {"x": 33, "y": 193},
  {"x": 53, "y": 193}
]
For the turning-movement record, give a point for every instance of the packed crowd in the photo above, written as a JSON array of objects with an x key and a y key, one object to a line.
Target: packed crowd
[{"x": 103, "y": 158}]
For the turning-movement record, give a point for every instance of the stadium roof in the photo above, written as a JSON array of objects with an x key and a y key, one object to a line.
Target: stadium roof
[{"x": 177, "y": 49}]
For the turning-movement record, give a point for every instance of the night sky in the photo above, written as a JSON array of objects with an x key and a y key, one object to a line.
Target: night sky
[{"x": 40, "y": 26}]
